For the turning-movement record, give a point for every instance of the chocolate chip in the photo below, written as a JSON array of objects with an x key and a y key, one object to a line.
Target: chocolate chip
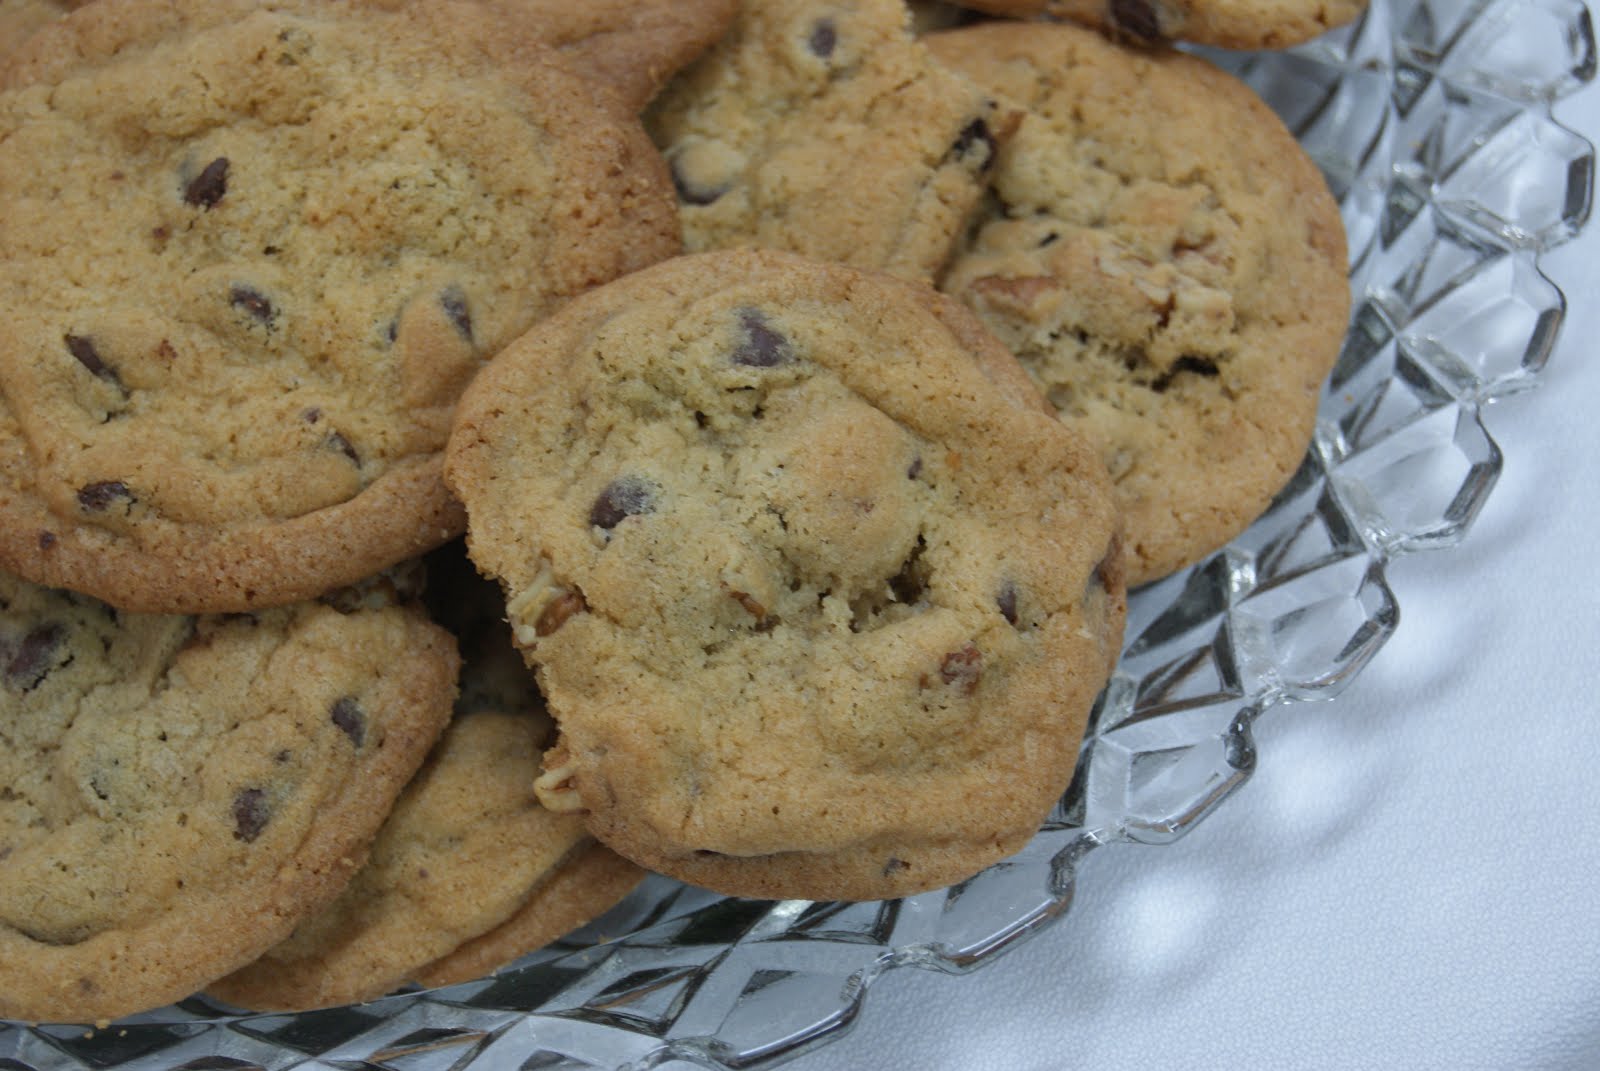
[
  {"x": 454, "y": 303},
  {"x": 626, "y": 496},
  {"x": 975, "y": 133},
  {"x": 761, "y": 347},
  {"x": 208, "y": 187},
  {"x": 84, "y": 352},
  {"x": 1007, "y": 601},
  {"x": 894, "y": 865},
  {"x": 312, "y": 415},
  {"x": 253, "y": 302},
  {"x": 336, "y": 441},
  {"x": 351, "y": 719},
  {"x": 915, "y": 468},
  {"x": 962, "y": 669},
  {"x": 824, "y": 36},
  {"x": 101, "y": 496},
  {"x": 35, "y": 656},
  {"x": 1198, "y": 366},
  {"x": 1136, "y": 18},
  {"x": 691, "y": 192},
  {"x": 250, "y": 814},
  {"x": 47, "y": 540},
  {"x": 558, "y": 611},
  {"x": 910, "y": 583}
]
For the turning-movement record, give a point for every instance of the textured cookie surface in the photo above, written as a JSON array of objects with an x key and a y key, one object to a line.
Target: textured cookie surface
[
  {"x": 20, "y": 18},
  {"x": 179, "y": 791},
  {"x": 802, "y": 584},
  {"x": 466, "y": 849},
  {"x": 630, "y": 46},
  {"x": 1166, "y": 263},
  {"x": 1226, "y": 23},
  {"x": 252, "y": 253},
  {"x": 823, "y": 128}
]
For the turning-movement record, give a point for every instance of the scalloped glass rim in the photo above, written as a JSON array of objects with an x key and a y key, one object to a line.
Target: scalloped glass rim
[{"x": 1432, "y": 123}]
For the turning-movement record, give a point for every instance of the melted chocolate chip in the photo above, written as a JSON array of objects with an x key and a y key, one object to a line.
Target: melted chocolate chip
[
  {"x": 915, "y": 468},
  {"x": 761, "y": 347},
  {"x": 962, "y": 669},
  {"x": 253, "y": 302},
  {"x": 691, "y": 192},
  {"x": 1007, "y": 601},
  {"x": 35, "y": 656},
  {"x": 1136, "y": 18},
  {"x": 208, "y": 187},
  {"x": 626, "y": 496},
  {"x": 101, "y": 496},
  {"x": 1198, "y": 366},
  {"x": 351, "y": 719},
  {"x": 336, "y": 441},
  {"x": 824, "y": 36},
  {"x": 47, "y": 540},
  {"x": 558, "y": 611},
  {"x": 250, "y": 814},
  {"x": 454, "y": 303},
  {"x": 84, "y": 352},
  {"x": 975, "y": 134}
]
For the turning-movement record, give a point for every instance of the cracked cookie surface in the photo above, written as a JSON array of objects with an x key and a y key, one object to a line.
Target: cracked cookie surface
[
  {"x": 253, "y": 252},
  {"x": 1166, "y": 263},
  {"x": 469, "y": 864},
  {"x": 1225, "y": 23},
  {"x": 825, "y": 129},
  {"x": 176, "y": 792},
  {"x": 818, "y": 608}
]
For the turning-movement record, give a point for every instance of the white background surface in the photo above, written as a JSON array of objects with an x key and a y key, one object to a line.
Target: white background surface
[{"x": 1411, "y": 879}]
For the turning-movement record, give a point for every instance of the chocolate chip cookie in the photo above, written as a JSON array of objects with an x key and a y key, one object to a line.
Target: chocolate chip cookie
[
  {"x": 1168, "y": 266},
  {"x": 824, "y": 128},
  {"x": 819, "y": 610},
  {"x": 1226, "y": 23},
  {"x": 468, "y": 850},
  {"x": 179, "y": 791},
  {"x": 253, "y": 252}
]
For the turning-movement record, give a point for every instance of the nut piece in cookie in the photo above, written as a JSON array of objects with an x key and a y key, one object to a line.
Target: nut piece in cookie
[
  {"x": 825, "y": 128},
  {"x": 181, "y": 791},
  {"x": 254, "y": 253},
  {"x": 818, "y": 605},
  {"x": 1168, "y": 266}
]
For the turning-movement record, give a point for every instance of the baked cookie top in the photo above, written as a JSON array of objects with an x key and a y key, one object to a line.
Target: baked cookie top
[
  {"x": 1225, "y": 23},
  {"x": 180, "y": 791},
  {"x": 631, "y": 46},
  {"x": 824, "y": 128},
  {"x": 466, "y": 848},
  {"x": 252, "y": 253},
  {"x": 1168, "y": 266},
  {"x": 20, "y": 18},
  {"x": 801, "y": 582}
]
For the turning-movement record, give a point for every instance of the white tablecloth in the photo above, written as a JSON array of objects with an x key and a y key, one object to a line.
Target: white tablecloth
[{"x": 1409, "y": 880}]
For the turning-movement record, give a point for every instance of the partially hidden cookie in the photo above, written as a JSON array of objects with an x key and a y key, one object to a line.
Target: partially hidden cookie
[
  {"x": 468, "y": 850},
  {"x": 631, "y": 46},
  {"x": 180, "y": 791},
  {"x": 818, "y": 608},
  {"x": 252, "y": 253},
  {"x": 1262, "y": 24},
  {"x": 1166, "y": 263},
  {"x": 824, "y": 128}
]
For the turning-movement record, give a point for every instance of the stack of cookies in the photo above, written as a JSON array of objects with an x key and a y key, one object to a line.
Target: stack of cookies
[{"x": 809, "y": 386}]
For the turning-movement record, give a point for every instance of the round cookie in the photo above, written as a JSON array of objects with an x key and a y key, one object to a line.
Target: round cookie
[
  {"x": 1168, "y": 266},
  {"x": 1225, "y": 23},
  {"x": 180, "y": 791},
  {"x": 467, "y": 851},
  {"x": 253, "y": 252},
  {"x": 824, "y": 128},
  {"x": 801, "y": 583}
]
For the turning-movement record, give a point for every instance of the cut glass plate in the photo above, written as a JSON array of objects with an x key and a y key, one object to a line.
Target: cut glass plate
[{"x": 1432, "y": 123}]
